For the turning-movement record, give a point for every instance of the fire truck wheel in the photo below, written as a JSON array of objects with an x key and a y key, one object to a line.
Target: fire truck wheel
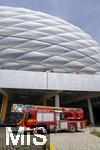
[
  {"x": 72, "y": 128},
  {"x": 41, "y": 130}
]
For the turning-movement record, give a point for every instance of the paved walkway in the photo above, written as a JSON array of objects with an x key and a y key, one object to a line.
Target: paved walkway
[
  {"x": 75, "y": 141},
  {"x": 62, "y": 141}
]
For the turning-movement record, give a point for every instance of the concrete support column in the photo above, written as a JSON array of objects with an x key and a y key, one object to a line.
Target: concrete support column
[
  {"x": 57, "y": 100},
  {"x": 4, "y": 108},
  {"x": 45, "y": 102},
  {"x": 90, "y": 111}
]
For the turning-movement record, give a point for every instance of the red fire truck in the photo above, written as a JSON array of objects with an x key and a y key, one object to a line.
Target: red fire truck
[{"x": 53, "y": 118}]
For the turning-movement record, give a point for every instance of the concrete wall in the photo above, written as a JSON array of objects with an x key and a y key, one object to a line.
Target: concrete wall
[
  {"x": 23, "y": 79},
  {"x": 73, "y": 82},
  {"x": 49, "y": 81}
]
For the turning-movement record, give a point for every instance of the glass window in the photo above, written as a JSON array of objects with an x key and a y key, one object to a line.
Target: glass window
[
  {"x": 48, "y": 116},
  {"x": 39, "y": 116},
  {"x": 29, "y": 115}
]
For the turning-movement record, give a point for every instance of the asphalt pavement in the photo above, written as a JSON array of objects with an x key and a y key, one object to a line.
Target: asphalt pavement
[{"x": 82, "y": 140}]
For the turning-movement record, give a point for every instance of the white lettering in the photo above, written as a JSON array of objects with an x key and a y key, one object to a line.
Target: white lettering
[
  {"x": 9, "y": 134},
  {"x": 20, "y": 136},
  {"x": 40, "y": 136}
]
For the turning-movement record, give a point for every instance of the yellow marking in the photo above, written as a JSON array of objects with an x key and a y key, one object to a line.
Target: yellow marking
[
  {"x": 52, "y": 147},
  {"x": 4, "y": 111},
  {"x": 30, "y": 120}
]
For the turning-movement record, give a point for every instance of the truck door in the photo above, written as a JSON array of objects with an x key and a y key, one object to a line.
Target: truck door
[{"x": 28, "y": 120}]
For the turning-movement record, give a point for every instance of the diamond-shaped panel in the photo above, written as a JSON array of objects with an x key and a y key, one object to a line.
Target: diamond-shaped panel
[{"x": 35, "y": 41}]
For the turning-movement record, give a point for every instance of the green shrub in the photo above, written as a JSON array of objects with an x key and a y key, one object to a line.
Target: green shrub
[{"x": 95, "y": 132}]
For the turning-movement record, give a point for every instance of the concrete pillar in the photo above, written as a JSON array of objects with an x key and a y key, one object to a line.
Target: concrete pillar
[
  {"x": 45, "y": 102},
  {"x": 4, "y": 108},
  {"x": 90, "y": 111},
  {"x": 57, "y": 100}
]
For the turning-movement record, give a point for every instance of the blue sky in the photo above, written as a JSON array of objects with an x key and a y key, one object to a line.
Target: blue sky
[{"x": 82, "y": 13}]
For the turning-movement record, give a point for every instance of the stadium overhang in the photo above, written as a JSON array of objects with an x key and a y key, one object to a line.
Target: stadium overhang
[{"x": 49, "y": 81}]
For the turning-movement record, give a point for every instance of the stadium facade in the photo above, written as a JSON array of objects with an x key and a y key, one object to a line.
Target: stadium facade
[{"x": 47, "y": 55}]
